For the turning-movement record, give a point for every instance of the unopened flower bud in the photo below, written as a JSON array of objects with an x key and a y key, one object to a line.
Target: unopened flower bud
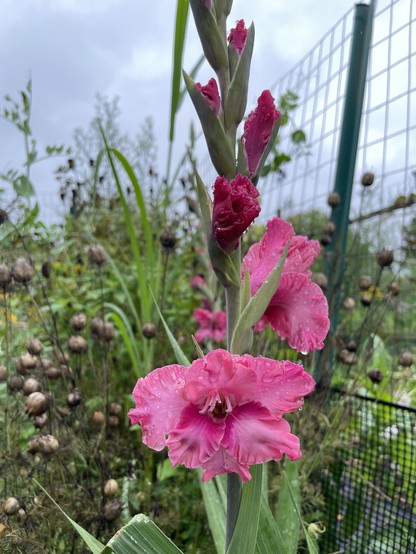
[
  {"x": 5, "y": 275},
  {"x": 367, "y": 179},
  {"x": 168, "y": 239},
  {"x": 149, "y": 330},
  {"x": 385, "y": 258},
  {"x": 22, "y": 270},
  {"x": 77, "y": 344},
  {"x": 334, "y": 199},
  {"x": 36, "y": 404},
  {"x": 78, "y": 321},
  {"x": 110, "y": 487},
  {"x": 96, "y": 255},
  {"x": 365, "y": 282},
  {"x": 112, "y": 510},
  {"x": 31, "y": 385},
  {"x": 375, "y": 375},
  {"x": 34, "y": 347},
  {"x": 11, "y": 506},
  {"x": 406, "y": 358}
]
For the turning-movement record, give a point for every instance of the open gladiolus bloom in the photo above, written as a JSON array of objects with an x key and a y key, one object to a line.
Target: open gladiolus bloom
[
  {"x": 298, "y": 310},
  {"x": 224, "y": 413}
]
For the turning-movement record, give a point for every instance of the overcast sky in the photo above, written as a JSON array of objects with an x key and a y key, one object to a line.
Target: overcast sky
[{"x": 74, "y": 49}]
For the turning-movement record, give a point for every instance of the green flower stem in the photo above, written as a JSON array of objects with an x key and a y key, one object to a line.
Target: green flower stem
[{"x": 234, "y": 483}]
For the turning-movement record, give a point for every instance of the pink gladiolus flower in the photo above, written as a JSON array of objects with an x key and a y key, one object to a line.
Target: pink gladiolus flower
[
  {"x": 212, "y": 325},
  {"x": 258, "y": 128},
  {"x": 211, "y": 94},
  {"x": 224, "y": 413},
  {"x": 298, "y": 310},
  {"x": 238, "y": 36},
  {"x": 234, "y": 210}
]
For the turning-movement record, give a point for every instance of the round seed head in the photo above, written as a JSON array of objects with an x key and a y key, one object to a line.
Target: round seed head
[
  {"x": 41, "y": 420},
  {"x": 15, "y": 383},
  {"x": 349, "y": 303},
  {"x": 115, "y": 408},
  {"x": 110, "y": 487},
  {"x": 96, "y": 255},
  {"x": 112, "y": 510},
  {"x": 22, "y": 270},
  {"x": 98, "y": 418},
  {"x": 27, "y": 361},
  {"x": 31, "y": 385},
  {"x": 168, "y": 239},
  {"x": 3, "y": 373},
  {"x": 77, "y": 344},
  {"x": 149, "y": 330},
  {"x": 36, "y": 403},
  {"x": 367, "y": 179},
  {"x": 73, "y": 399},
  {"x": 11, "y": 506},
  {"x": 375, "y": 375},
  {"x": 385, "y": 258},
  {"x": 365, "y": 282},
  {"x": 394, "y": 288},
  {"x": 53, "y": 372},
  {"x": 78, "y": 321},
  {"x": 325, "y": 239},
  {"x": 321, "y": 280},
  {"x": 5, "y": 275},
  {"x": 34, "y": 347},
  {"x": 329, "y": 228},
  {"x": 113, "y": 421},
  {"x": 334, "y": 199},
  {"x": 406, "y": 358}
]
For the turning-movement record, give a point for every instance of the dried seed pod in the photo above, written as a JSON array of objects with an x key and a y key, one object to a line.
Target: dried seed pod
[
  {"x": 366, "y": 300},
  {"x": 385, "y": 258},
  {"x": 11, "y": 506},
  {"x": 46, "y": 270},
  {"x": 347, "y": 357},
  {"x": 349, "y": 303},
  {"x": 33, "y": 445},
  {"x": 321, "y": 280},
  {"x": 41, "y": 420},
  {"x": 15, "y": 383},
  {"x": 115, "y": 408},
  {"x": 63, "y": 358},
  {"x": 22, "y": 270},
  {"x": 73, "y": 399},
  {"x": 48, "y": 444},
  {"x": 108, "y": 331},
  {"x": 53, "y": 372},
  {"x": 112, "y": 510},
  {"x": 367, "y": 179},
  {"x": 27, "y": 361},
  {"x": 394, "y": 288},
  {"x": 110, "y": 487},
  {"x": 98, "y": 418},
  {"x": 329, "y": 228},
  {"x": 149, "y": 330},
  {"x": 406, "y": 358},
  {"x": 168, "y": 239},
  {"x": 31, "y": 385},
  {"x": 325, "y": 240},
  {"x": 96, "y": 255},
  {"x": 3, "y": 216},
  {"x": 34, "y": 347},
  {"x": 334, "y": 199},
  {"x": 3, "y": 373},
  {"x": 44, "y": 364},
  {"x": 77, "y": 344},
  {"x": 5, "y": 275},
  {"x": 78, "y": 321},
  {"x": 351, "y": 346},
  {"x": 113, "y": 421},
  {"x": 375, "y": 375},
  {"x": 365, "y": 282},
  {"x": 36, "y": 403}
]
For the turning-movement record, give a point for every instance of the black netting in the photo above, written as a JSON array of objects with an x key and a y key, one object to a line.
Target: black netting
[{"x": 370, "y": 489}]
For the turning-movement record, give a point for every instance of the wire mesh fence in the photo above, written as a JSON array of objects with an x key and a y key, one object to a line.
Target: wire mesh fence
[
  {"x": 370, "y": 488},
  {"x": 388, "y": 127}
]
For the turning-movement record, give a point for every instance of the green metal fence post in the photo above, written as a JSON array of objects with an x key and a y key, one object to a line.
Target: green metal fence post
[{"x": 335, "y": 251}]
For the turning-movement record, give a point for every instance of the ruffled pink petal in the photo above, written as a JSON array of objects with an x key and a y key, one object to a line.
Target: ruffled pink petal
[
  {"x": 195, "y": 438},
  {"x": 220, "y": 371},
  {"x": 221, "y": 462},
  {"x": 254, "y": 436},
  {"x": 159, "y": 403},
  {"x": 213, "y": 325},
  {"x": 281, "y": 386},
  {"x": 263, "y": 256},
  {"x": 299, "y": 312},
  {"x": 238, "y": 36},
  {"x": 301, "y": 256}
]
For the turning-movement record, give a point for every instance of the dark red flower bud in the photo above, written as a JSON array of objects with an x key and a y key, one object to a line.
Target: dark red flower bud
[
  {"x": 211, "y": 95},
  {"x": 234, "y": 210},
  {"x": 238, "y": 36},
  {"x": 258, "y": 129}
]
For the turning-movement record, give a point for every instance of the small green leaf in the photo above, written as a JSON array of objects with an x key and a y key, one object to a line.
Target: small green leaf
[
  {"x": 142, "y": 536},
  {"x": 298, "y": 136},
  {"x": 257, "y": 306},
  {"x": 23, "y": 186}
]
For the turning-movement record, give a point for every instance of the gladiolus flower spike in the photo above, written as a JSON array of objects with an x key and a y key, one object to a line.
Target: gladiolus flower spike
[{"x": 224, "y": 413}]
